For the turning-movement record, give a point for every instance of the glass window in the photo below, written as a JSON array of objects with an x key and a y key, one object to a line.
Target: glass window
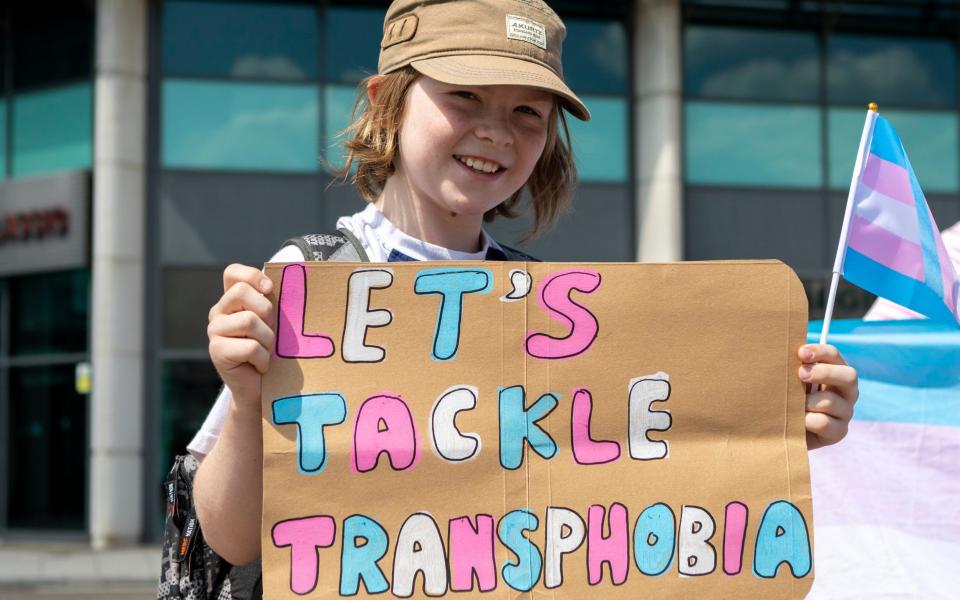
[
  {"x": 53, "y": 129},
  {"x": 744, "y": 223},
  {"x": 600, "y": 145},
  {"x": 244, "y": 126},
  {"x": 930, "y": 139},
  {"x": 742, "y": 144},
  {"x": 189, "y": 389},
  {"x": 47, "y": 449},
  {"x": 595, "y": 56},
  {"x": 891, "y": 72},
  {"x": 240, "y": 39},
  {"x": 338, "y": 106},
  {"x": 188, "y": 295},
  {"x": 750, "y": 64},
  {"x": 52, "y": 42},
  {"x": 844, "y": 127},
  {"x": 3, "y": 138},
  {"x": 352, "y": 42},
  {"x": 602, "y": 213},
  {"x": 49, "y": 312}
]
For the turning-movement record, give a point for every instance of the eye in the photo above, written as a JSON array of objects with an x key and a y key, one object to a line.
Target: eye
[
  {"x": 465, "y": 94},
  {"x": 528, "y": 110}
]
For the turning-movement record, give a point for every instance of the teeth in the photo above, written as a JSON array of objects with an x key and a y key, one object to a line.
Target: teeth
[{"x": 479, "y": 165}]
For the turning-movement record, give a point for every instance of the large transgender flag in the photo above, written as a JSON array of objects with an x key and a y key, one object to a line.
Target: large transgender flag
[
  {"x": 893, "y": 245},
  {"x": 886, "y": 499}
]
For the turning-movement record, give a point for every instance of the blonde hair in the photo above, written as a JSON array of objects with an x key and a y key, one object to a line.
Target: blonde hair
[{"x": 372, "y": 143}]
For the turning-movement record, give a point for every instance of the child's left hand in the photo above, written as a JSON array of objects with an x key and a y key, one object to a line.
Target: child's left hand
[{"x": 830, "y": 405}]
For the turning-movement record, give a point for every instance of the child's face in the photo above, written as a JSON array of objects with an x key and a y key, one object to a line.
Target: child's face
[{"x": 500, "y": 129}]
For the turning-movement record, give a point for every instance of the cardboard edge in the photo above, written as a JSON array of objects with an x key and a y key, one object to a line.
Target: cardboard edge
[{"x": 801, "y": 494}]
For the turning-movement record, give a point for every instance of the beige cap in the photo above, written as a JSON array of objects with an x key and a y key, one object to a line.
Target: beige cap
[{"x": 479, "y": 42}]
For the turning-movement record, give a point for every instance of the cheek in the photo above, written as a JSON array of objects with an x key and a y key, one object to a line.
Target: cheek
[
  {"x": 416, "y": 152},
  {"x": 425, "y": 139},
  {"x": 533, "y": 145}
]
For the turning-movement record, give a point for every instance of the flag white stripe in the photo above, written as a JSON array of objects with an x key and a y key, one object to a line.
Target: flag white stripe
[{"x": 883, "y": 211}]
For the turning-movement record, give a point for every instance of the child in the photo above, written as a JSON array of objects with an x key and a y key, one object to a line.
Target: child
[{"x": 465, "y": 113}]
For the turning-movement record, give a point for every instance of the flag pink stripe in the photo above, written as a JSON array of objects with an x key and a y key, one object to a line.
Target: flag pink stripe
[
  {"x": 898, "y": 475},
  {"x": 889, "y": 179},
  {"x": 889, "y": 250}
]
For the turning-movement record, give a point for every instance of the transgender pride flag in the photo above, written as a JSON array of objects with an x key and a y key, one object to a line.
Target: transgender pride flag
[
  {"x": 886, "y": 500},
  {"x": 893, "y": 246}
]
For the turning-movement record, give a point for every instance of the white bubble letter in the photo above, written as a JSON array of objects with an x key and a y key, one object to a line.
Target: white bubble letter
[
  {"x": 644, "y": 391},
  {"x": 447, "y": 440},
  {"x": 419, "y": 548},
  {"x": 558, "y": 544},
  {"x": 697, "y": 556},
  {"x": 360, "y": 317}
]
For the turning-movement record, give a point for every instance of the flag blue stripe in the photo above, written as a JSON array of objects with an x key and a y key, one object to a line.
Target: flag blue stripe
[
  {"x": 909, "y": 370},
  {"x": 886, "y": 144},
  {"x": 931, "y": 262},
  {"x": 878, "y": 279},
  {"x": 893, "y": 403}
]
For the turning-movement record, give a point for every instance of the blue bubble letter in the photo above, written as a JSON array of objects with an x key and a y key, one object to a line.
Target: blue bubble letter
[
  {"x": 654, "y": 539},
  {"x": 311, "y": 413},
  {"x": 360, "y": 562},
  {"x": 782, "y": 538},
  {"x": 451, "y": 284},
  {"x": 525, "y": 573},
  {"x": 518, "y": 424}
]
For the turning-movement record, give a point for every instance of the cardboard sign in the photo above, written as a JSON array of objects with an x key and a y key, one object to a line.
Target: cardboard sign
[{"x": 521, "y": 430}]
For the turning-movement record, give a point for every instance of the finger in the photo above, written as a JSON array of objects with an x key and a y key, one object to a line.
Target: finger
[
  {"x": 830, "y": 404},
  {"x": 839, "y": 377},
  {"x": 827, "y": 429},
  {"x": 245, "y": 324},
  {"x": 241, "y": 296},
  {"x": 252, "y": 276},
  {"x": 823, "y": 353},
  {"x": 231, "y": 353}
]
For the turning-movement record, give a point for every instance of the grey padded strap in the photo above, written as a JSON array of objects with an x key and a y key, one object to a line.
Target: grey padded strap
[{"x": 340, "y": 246}]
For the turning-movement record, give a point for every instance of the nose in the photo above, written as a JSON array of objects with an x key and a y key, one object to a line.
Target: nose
[{"x": 495, "y": 129}]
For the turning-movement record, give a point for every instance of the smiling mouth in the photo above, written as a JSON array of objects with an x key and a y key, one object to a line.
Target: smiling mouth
[{"x": 479, "y": 165}]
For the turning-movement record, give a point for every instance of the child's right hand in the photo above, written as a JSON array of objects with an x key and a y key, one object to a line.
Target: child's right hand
[{"x": 241, "y": 334}]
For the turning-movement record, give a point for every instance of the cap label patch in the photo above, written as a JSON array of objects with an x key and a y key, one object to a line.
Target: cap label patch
[
  {"x": 399, "y": 30},
  {"x": 526, "y": 30}
]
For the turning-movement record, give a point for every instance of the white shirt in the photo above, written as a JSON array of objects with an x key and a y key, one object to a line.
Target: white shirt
[{"x": 382, "y": 242}]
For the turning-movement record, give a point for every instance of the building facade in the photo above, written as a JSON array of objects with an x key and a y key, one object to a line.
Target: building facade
[{"x": 146, "y": 144}]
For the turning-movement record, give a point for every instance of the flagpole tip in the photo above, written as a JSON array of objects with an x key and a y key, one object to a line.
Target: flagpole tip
[{"x": 873, "y": 106}]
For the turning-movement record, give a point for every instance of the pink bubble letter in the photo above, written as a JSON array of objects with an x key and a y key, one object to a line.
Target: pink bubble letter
[
  {"x": 292, "y": 340},
  {"x": 304, "y": 536},
  {"x": 384, "y": 424},
  {"x": 554, "y": 297},
  {"x": 471, "y": 550},
  {"x": 586, "y": 450},
  {"x": 612, "y": 549},
  {"x": 734, "y": 529}
]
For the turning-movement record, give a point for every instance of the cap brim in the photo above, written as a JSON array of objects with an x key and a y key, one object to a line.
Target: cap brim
[{"x": 484, "y": 69}]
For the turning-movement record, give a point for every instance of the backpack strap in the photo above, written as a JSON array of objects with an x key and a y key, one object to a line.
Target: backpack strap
[
  {"x": 344, "y": 246},
  {"x": 339, "y": 246}
]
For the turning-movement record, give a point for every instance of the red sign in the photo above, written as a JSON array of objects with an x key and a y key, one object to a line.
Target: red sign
[{"x": 34, "y": 224}]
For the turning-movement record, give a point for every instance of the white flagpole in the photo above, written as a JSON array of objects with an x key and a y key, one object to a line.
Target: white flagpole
[{"x": 865, "y": 139}]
